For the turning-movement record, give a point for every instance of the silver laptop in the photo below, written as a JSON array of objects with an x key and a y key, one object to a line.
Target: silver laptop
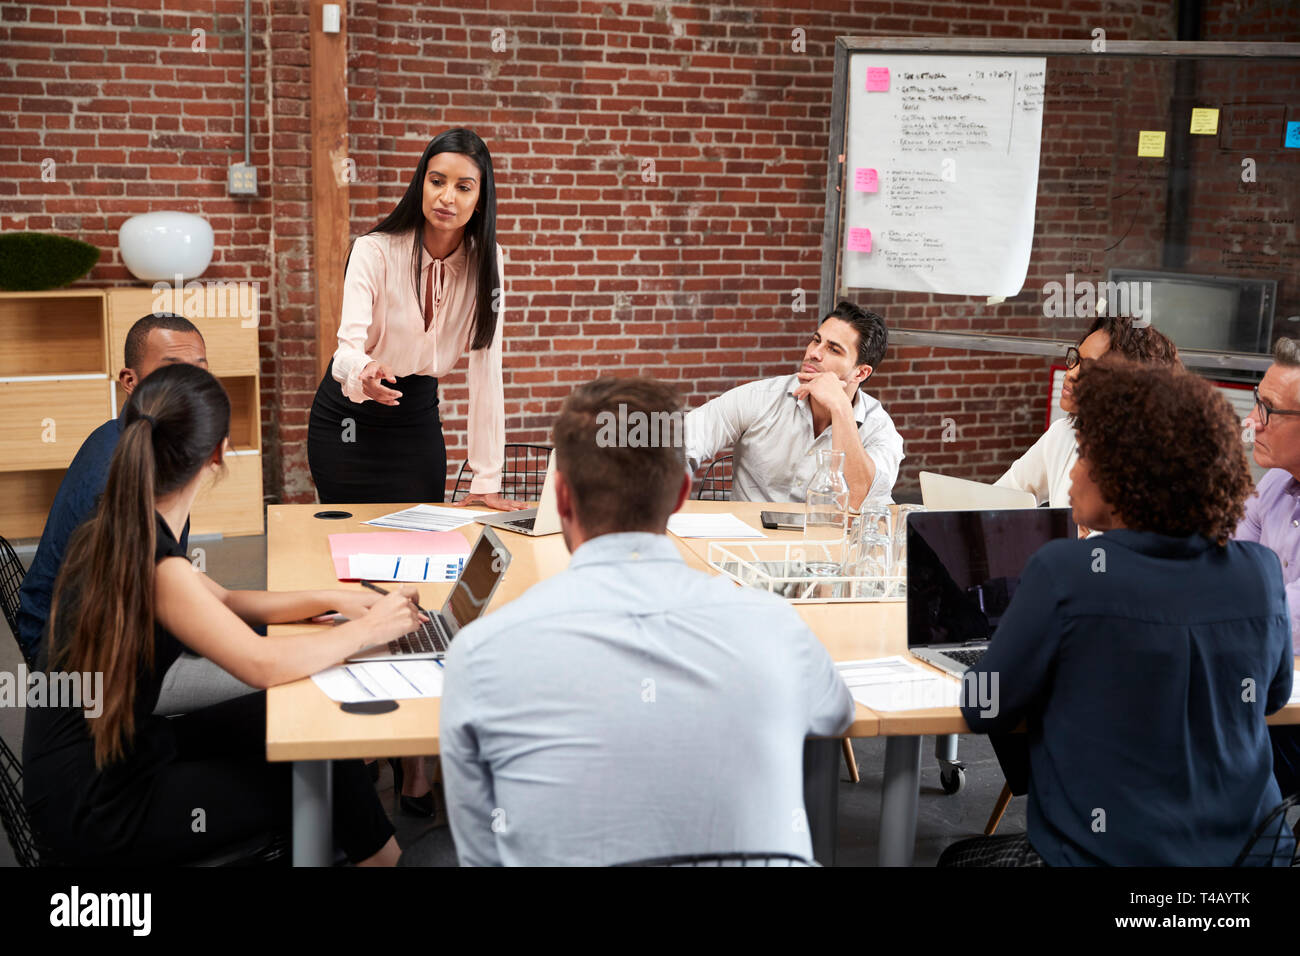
[
  {"x": 945, "y": 493},
  {"x": 544, "y": 519},
  {"x": 469, "y": 597},
  {"x": 963, "y": 568}
]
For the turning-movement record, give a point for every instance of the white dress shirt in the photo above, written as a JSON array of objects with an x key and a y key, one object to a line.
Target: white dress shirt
[
  {"x": 1045, "y": 468},
  {"x": 629, "y": 708},
  {"x": 770, "y": 433}
]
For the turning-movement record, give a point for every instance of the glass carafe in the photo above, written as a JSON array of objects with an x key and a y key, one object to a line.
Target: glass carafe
[{"x": 826, "y": 516}]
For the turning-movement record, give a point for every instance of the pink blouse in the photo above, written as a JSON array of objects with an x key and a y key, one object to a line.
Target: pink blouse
[{"x": 382, "y": 322}]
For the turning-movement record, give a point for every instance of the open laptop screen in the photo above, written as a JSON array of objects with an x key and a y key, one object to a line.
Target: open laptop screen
[
  {"x": 472, "y": 591},
  {"x": 963, "y": 568}
]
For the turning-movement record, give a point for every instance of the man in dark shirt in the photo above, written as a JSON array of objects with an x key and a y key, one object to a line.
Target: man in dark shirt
[{"x": 158, "y": 339}]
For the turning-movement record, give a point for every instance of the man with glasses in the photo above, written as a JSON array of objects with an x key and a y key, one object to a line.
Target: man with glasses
[
  {"x": 1045, "y": 468},
  {"x": 1273, "y": 512}
]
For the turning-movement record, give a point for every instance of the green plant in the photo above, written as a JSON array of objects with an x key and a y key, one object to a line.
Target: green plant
[{"x": 35, "y": 261}]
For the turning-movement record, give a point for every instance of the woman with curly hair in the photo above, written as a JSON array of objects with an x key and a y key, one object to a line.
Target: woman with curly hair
[
  {"x": 1045, "y": 468},
  {"x": 1143, "y": 661}
]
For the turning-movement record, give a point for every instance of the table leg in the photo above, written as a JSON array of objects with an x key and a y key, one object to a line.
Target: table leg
[
  {"x": 898, "y": 800},
  {"x": 313, "y": 813}
]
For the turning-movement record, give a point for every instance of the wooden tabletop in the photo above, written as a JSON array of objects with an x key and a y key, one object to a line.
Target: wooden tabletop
[{"x": 304, "y": 724}]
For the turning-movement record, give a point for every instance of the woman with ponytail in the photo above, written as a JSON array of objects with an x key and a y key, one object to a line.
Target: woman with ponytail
[{"x": 106, "y": 781}]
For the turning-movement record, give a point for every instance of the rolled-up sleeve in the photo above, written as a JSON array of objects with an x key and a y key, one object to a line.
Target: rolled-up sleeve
[
  {"x": 361, "y": 289},
  {"x": 716, "y": 425},
  {"x": 487, "y": 403},
  {"x": 884, "y": 446}
]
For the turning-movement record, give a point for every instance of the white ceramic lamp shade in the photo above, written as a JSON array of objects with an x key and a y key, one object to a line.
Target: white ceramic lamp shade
[{"x": 159, "y": 246}]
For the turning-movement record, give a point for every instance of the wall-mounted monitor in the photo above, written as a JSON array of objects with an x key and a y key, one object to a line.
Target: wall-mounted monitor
[{"x": 1220, "y": 313}]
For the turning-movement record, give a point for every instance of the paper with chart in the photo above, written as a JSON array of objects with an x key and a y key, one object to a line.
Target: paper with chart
[
  {"x": 428, "y": 518},
  {"x": 381, "y": 680},
  {"x": 941, "y": 173},
  {"x": 898, "y": 683}
]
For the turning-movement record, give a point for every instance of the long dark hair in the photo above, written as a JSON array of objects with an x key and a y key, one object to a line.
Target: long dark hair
[
  {"x": 173, "y": 422},
  {"x": 480, "y": 231}
]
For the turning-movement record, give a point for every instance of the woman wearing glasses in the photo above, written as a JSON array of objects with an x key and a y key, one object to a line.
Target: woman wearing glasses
[{"x": 1045, "y": 468}]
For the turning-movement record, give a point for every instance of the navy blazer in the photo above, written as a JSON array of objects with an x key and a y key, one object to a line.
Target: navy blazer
[{"x": 1143, "y": 666}]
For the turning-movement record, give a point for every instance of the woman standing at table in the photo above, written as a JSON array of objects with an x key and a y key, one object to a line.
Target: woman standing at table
[{"x": 421, "y": 289}]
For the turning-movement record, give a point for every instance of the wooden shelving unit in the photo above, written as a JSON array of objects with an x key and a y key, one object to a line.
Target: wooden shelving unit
[{"x": 60, "y": 353}]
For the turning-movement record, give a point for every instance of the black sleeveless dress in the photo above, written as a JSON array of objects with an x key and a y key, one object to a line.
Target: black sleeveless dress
[{"x": 187, "y": 786}]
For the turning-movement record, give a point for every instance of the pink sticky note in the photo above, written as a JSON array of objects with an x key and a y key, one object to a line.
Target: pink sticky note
[
  {"x": 877, "y": 79},
  {"x": 859, "y": 240},
  {"x": 865, "y": 180}
]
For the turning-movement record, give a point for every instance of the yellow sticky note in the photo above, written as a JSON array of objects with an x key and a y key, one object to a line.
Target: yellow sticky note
[
  {"x": 1151, "y": 143},
  {"x": 1205, "y": 122}
]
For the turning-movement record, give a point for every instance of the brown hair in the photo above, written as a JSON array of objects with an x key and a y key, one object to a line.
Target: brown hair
[
  {"x": 1141, "y": 344},
  {"x": 1163, "y": 446},
  {"x": 620, "y": 444},
  {"x": 172, "y": 424}
]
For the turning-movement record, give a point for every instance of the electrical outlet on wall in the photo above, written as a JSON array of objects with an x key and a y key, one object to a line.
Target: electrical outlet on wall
[{"x": 241, "y": 180}]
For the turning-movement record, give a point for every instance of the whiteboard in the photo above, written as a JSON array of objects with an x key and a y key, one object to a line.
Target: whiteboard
[{"x": 941, "y": 172}]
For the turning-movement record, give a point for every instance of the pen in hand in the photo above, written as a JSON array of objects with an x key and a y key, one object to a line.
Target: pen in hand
[{"x": 375, "y": 587}]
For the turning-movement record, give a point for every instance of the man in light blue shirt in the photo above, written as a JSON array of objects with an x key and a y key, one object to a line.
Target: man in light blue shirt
[{"x": 630, "y": 707}]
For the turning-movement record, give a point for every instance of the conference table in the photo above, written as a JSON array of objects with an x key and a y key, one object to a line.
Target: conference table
[{"x": 307, "y": 728}]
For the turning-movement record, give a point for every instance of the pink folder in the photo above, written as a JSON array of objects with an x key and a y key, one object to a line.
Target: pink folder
[{"x": 343, "y": 546}]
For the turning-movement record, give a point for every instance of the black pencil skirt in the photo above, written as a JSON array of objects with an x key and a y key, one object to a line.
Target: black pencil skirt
[{"x": 373, "y": 453}]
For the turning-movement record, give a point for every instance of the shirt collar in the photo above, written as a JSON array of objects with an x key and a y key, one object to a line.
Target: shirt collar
[
  {"x": 860, "y": 400},
  {"x": 1159, "y": 545},
  {"x": 453, "y": 262},
  {"x": 1291, "y": 487},
  {"x": 625, "y": 546}
]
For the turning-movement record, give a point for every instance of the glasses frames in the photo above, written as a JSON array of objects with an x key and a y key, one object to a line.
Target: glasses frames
[
  {"x": 1071, "y": 357},
  {"x": 1265, "y": 411}
]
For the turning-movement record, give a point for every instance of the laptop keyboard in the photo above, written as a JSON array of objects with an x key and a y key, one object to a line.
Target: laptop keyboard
[
  {"x": 428, "y": 638},
  {"x": 523, "y": 524},
  {"x": 965, "y": 658}
]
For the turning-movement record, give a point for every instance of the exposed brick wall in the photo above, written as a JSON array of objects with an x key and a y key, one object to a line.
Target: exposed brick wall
[{"x": 688, "y": 278}]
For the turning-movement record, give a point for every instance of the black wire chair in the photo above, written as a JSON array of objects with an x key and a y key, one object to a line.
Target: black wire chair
[
  {"x": 13, "y": 815},
  {"x": 11, "y": 579},
  {"x": 1271, "y": 834},
  {"x": 265, "y": 849},
  {"x": 725, "y": 859},
  {"x": 715, "y": 485},
  {"x": 522, "y": 475}
]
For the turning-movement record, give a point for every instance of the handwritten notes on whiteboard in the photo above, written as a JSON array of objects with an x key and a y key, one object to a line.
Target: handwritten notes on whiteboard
[{"x": 954, "y": 141}]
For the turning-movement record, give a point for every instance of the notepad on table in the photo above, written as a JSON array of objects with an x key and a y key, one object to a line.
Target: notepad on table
[
  {"x": 381, "y": 680},
  {"x": 896, "y": 683},
  {"x": 725, "y": 525},
  {"x": 428, "y": 518}
]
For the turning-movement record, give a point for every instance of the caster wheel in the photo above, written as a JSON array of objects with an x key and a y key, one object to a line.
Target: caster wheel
[{"x": 953, "y": 780}]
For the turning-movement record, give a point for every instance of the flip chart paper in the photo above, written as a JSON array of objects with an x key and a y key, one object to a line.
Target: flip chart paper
[{"x": 956, "y": 146}]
